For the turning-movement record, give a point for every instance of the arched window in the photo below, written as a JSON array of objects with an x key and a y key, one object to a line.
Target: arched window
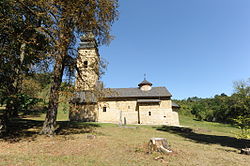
[
  {"x": 104, "y": 109},
  {"x": 149, "y": 113},
  {"x": 85, "y": 64}
]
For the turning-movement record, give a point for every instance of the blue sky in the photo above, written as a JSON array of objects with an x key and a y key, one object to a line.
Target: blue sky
[{"x": 193, "y": 47}]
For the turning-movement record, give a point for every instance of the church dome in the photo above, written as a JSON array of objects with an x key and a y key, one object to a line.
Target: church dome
[
  {"x": 145, "y": 82},
  {"x": 145, "y": 85}
]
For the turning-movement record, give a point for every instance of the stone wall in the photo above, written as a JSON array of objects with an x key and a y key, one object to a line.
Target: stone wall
[
  {"x": 116, "y": 111},
  {"x": 145, "y": 87},
  {"x": 131, "y": 112},
  {"x": 87, "y": 63},
  {"x": 126, "y": 111},
  {"x": 83, "y": 113},
  {"x": 172, "y": 118}
]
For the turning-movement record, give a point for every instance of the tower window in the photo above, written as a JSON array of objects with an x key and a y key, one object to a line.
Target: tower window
[
  {"x": 85, "y": 64},
  {"x": 149, "y": 113},
  {"x": 104, "y": 109}
]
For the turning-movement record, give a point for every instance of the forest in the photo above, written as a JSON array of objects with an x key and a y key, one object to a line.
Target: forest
[{"x": 233, "y": 109}]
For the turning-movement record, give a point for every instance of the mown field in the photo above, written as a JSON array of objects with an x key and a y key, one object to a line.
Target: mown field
[{"x": 207, "y": 144}]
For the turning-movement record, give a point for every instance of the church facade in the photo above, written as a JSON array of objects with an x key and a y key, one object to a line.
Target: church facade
[{"x": 144, "y": 104}]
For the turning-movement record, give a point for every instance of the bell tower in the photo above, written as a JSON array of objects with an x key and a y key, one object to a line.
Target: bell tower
[{"x": 87, "y": 63}]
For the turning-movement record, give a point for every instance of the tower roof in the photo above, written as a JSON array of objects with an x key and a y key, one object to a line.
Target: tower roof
[
  {"x": 88, "y": 41},
  {"x": 88, "y": 36},
  {"x": 145, "y": 82}
]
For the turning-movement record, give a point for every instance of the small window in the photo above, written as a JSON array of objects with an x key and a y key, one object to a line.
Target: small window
[
  {"x": 85, "y": 64},
  {"x": 149, "y": 113},
  {"x": 104, "y": 109},
  {"x": 128, "y": 107}
]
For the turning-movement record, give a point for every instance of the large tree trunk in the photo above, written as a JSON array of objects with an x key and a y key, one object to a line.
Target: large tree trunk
[
  {"x": 19, "y": 80},
  {"x": 64, "y": 34},
  {"x": 49, "y": 125}
]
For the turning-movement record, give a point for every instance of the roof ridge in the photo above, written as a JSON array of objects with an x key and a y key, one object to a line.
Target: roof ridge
[{"x": 136, "y": 92}]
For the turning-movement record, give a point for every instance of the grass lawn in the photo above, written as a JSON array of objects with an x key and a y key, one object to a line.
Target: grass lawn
[
  {"x": 207, "y": 144},
  {"x": 216, "y": 128}
]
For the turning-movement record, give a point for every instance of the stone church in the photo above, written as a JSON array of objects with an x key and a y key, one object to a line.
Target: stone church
[{"x": 144, "y": 104}]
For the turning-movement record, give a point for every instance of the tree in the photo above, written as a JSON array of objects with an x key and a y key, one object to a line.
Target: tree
[
  {"x": 21, "y": 46},
  {"x": 35, "y": 31},
  {"x": 69, "y": 20},
  {"x": 242, "y": 107},
  {"x": 199, "y": 110}
]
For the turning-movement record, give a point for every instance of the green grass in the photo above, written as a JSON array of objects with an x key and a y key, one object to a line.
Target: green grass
[
  {"x": 218, "y": 128},
  {"x": 62, "y": 115},
  {"x": 207, "y": 144}
]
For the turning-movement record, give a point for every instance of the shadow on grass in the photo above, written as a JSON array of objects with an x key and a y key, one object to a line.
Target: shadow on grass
[
  {"x": 25, "y": 129},
  {"x": 205, "y": 138},
  {"x": 67, "y": 127},
  {"x": 19, "y": 129}
]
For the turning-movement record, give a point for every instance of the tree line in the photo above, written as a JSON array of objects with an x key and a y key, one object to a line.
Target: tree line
[{"x": 233, "y": 109}]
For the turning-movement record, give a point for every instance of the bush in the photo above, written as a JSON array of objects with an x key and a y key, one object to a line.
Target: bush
[
  {"x": 244, "y": 124},
  {"x": 199, "y": 111},
  {"x": 21, "y": 102}
]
